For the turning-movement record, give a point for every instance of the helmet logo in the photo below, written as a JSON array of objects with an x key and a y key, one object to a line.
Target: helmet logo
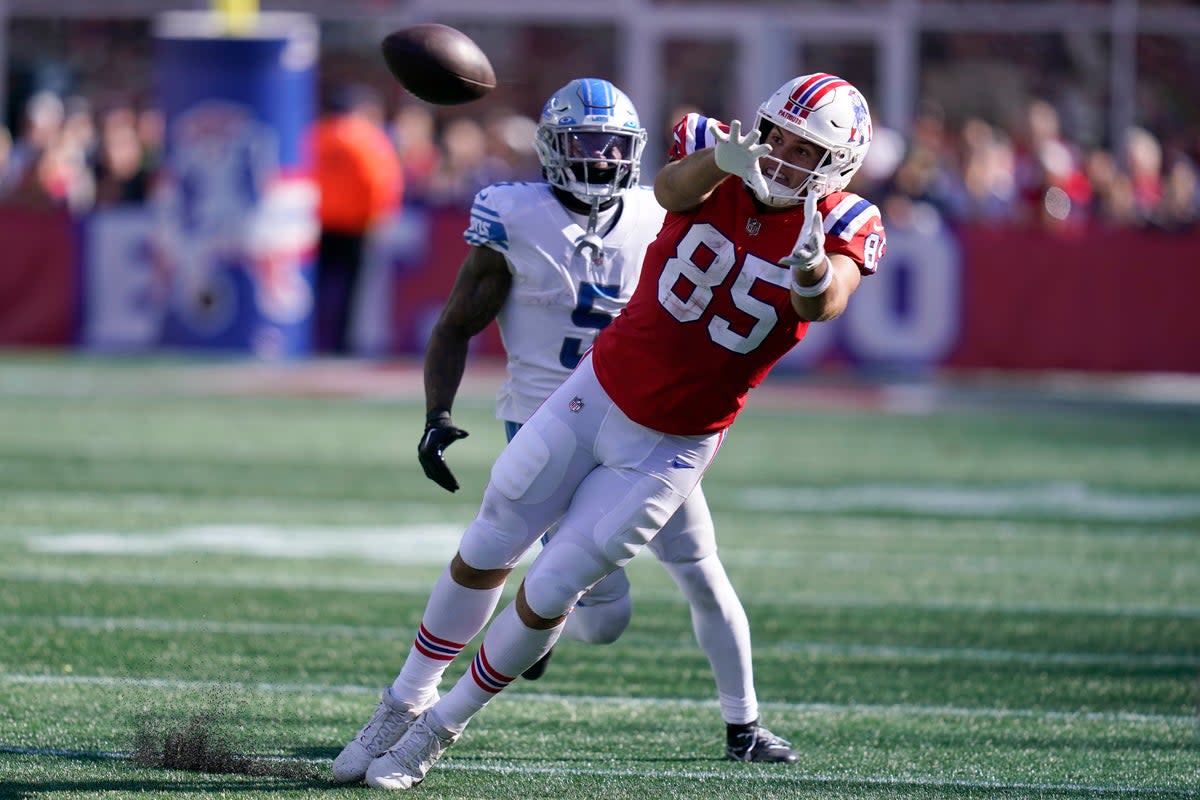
[
  {"x": 808, "y": 96},
  {"x": 860, "y": 132}
]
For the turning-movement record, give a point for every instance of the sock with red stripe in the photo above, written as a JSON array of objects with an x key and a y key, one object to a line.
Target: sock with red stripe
[
  {"x": 509, "y": 648},
  {"x": 453, "y": 617}
]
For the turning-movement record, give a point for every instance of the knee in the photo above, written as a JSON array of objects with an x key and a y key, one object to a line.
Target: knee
[
  {"x": 704, "y": 582},
  {"x": 531, "y": 618},
  {"x": 464, "y": 574}
]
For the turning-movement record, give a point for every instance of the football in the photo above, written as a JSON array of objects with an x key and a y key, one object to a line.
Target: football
[{"x": 438, "y": 64}]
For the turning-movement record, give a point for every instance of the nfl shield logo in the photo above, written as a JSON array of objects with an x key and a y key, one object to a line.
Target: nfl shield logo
[
  {"x": 753, "y": 226},
  {"x": 576, "y": 404}
]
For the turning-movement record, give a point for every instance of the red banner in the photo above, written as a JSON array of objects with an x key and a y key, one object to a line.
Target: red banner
[
  {"x": 975, "y": 298},
  {"x": 1115, "y": 300},
  {"x": 38, "y": 281}
]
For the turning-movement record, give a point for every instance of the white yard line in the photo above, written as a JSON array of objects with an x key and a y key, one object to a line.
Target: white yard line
[
  {"x": 420, "y": 584},
  {"x": 886, "y": 652},
  {"x": 631, "y": 702},
  {"x": 793, "y": 776}
]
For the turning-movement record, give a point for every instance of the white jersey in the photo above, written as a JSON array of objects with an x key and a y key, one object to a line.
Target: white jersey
[{"x": 560, "y": 298}]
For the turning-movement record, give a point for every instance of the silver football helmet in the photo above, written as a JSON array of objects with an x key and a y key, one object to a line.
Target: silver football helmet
[
  {"x": 825, "y": 110},
  {"x": 589, "y": 140}
]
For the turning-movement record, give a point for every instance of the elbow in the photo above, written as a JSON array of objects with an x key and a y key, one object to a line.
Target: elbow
[
  {"x": 666, "y": 196},
  {"x": 823, "y": 308},
  {"x": 671, "y": 191},
  {"x": 815, "y": 312}
]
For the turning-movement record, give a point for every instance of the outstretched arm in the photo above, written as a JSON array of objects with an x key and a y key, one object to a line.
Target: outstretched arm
[
  {"x": 821, "y": 284},
  {"x": 684, "y": 184},
  {"x": 479, "y": 292}
]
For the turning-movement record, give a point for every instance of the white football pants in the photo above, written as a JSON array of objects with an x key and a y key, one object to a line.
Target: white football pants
[{"x": 609, "y": 483}]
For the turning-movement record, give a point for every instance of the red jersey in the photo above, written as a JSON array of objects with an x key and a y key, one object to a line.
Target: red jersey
[{"x": 712, "y": 310}]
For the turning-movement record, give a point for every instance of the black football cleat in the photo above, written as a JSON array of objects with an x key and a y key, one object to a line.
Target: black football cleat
[
  {"x": 539, "y": 667},
  {"x": 756, "y": 743}
]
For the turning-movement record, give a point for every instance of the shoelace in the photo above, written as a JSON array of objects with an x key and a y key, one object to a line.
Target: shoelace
[
  {"x": 389, "y": 720},
  {"x": 419, "y": 749}
]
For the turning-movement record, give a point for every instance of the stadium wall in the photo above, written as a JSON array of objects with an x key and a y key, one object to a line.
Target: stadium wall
[{"x": 972, "y": 298}]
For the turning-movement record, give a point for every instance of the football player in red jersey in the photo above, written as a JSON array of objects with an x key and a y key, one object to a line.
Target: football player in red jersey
[{"x": 759, "y": 241}]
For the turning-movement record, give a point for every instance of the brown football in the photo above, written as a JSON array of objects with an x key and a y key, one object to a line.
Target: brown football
[{"x": 438, "y": 64}]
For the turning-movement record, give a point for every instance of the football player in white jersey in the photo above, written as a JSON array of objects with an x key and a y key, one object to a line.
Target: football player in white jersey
[{"x": 554, "y": 262}]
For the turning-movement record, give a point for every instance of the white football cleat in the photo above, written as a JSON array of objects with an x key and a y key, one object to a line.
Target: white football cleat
[
  {"x": 406, "y": 764},
  {"x": 389, "y": 723}
]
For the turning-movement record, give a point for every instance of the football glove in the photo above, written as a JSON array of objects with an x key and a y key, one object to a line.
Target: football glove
[
  {"x": 439, "y": 434},
  {"x": 809, "y": 250},
  {"x": 738, "y": 155}
]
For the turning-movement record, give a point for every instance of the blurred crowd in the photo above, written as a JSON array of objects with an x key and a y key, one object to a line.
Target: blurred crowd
[
  {"x": 1030, "y": 173},
  {"x": 84, "y": 156},
  {"x": 68, "y": 152}
]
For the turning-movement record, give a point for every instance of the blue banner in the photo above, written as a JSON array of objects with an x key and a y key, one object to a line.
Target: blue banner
[{"x": 235, "y": 206}]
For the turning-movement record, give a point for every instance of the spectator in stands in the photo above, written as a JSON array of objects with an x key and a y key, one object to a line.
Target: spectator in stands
[
  {"x": 986, "y": 171},
  {"x": 121, "y": 169},
  {"x": 414, "y": 135},
  {"x": 41, "y": 127},
  {"x": 1112, "y": 191},
  {"x": 1061, "y": 194},
  {"x": 509, "y": 138},
  {"x": 466, "y": 165},
  {"x": 360, "y": 181},
  {"x": 151, "y": 131},
  {"x": 1053, "y": 188},
  {"x": 6, "y": 144},
  {"x": 1179, "y": 208},
  {"x": 920, "y": 179},
  {"x": 1143, "y": 159}
]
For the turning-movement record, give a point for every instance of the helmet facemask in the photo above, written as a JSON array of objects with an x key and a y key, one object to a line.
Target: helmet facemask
[
  {"x": 818, "y": 179},
  {"x": 589, "y": 141},
  {"x": 590, "y": 162}
]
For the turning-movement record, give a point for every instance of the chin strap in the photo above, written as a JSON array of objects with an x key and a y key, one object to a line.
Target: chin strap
[{"x": 591, "y": 239}]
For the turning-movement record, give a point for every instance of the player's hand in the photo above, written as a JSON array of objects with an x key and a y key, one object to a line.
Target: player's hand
[
  {"x": 738, "y": 155},
  {"x": 439, "y": 434},
  {"x": 809, "y": 250}
]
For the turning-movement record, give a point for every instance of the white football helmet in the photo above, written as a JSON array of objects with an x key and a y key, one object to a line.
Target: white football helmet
[
  {"x": 589, "y": 140},
  {"x": 825, "y": 110}
]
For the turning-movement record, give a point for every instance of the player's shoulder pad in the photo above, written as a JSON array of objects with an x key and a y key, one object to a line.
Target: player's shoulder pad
[
  {"x": 495, "y": 207},
  {"x": 846, "y": 215},
  {"x": 692, "y": 133}
]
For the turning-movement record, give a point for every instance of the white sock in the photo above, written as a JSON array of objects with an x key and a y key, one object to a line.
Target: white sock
[
  {"x": 453, "y": 617},
  {"x": 723, "y": 633},
  {"x": 509, "y": 648}
]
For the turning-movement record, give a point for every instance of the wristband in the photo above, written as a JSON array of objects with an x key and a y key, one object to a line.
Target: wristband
[{"x": 817, "y": 288}]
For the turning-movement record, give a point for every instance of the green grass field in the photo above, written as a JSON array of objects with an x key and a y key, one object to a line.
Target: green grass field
[{"x": 974, "y": 602}]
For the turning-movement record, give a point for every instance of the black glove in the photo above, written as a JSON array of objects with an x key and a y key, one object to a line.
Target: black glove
[{"x": 439, "y": 434}]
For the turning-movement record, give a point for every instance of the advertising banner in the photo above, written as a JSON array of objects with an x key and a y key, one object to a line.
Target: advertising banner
[
  {"x": 235, "y": 207},
  {"x": 39, "y": 294}
]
